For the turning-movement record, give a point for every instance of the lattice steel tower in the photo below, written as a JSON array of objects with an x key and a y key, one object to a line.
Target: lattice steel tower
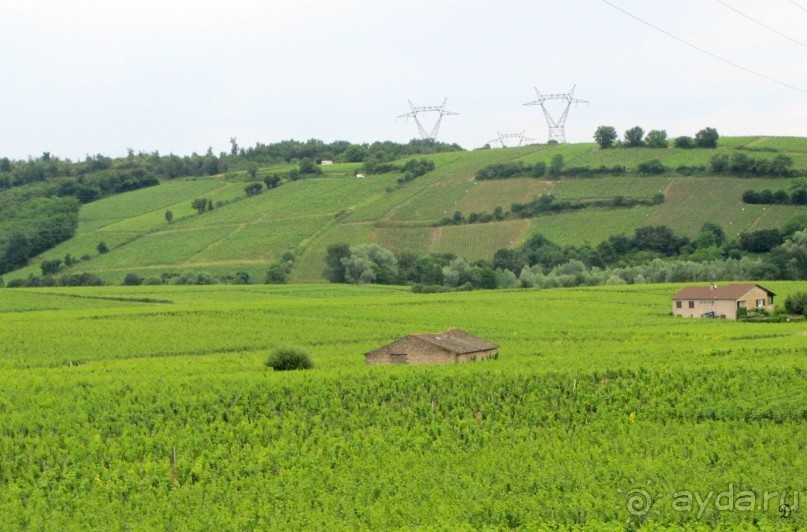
[
  {"x": 415, "y": 111},
  {"x": 502, "y": 136},
  {"x": 557, "y": 129}
]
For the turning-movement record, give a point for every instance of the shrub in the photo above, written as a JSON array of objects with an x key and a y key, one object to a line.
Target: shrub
[
  {"x": 289, "y": 358},
  {"x": 132, "y": 279},
  {"x": 153, "y": 280},
  {"x": 797, "y": 303}
]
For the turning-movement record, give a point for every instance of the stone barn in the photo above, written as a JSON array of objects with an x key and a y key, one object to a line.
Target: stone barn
[{"x": 449, "y": 347}]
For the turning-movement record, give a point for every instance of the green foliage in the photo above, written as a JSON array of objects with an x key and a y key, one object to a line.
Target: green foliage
[
  {"x": 253, "y": 189},
  {"x": 102, "y": 247},
  {"x": 796, "y": 303},
  {"x": 370, "y": 263},
  {"x": 684, "y": 142},
  {"x": 605, "y": 136},
  {"x": 50, "y": 267},
  {"x": 202, "y": 205},
  {"x": 626, "y": 393},
  {"x": 556, "y": 166},
  {"x": 276, "y": 274},
  {"x": 656, "y": 138},
  {"x": 334, "y": 268},
  {"x": 633, "y": 137},
  {"x": 652, "y": 167},
  {"x": 132, "y": 279},
  {"x": 707, "y": 138},
  {"x": 289, "y": 359}
]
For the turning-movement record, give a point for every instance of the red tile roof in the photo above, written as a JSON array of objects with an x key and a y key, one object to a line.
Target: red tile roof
[{"x": 731, "y": 292}]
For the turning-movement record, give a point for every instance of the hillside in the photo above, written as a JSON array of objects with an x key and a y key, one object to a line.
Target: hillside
[{"x": 303, "y": 217}]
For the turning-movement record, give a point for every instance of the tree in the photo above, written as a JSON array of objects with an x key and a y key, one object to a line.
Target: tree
[
  {"x": 334, "y": 269},
  {"x": 276, "y": 274},
  {"x": 102, "y": 247},
  {"x": 556, "y": 165},
  {"x": 370, "y": 263},
  {"x": 132, "y": 279},
  {"x": 760, "y": 241},
  {"x": 18, "y": 250},
  {"x": 169, "y": 216},
  {"x": 711, "y": 235},
  {"x": 684, "y": 142},
  {"x": 633, "y": 137},
  {"x": 253, "y": 189},
  {"x": 309, "y": 167},
  {"x": 271, "y": 181},
  {"x": 797, "y": 303},
  {"x": 252, "y": 170},
  {"x": 706, "y": 138},
  {"x": 49, "y": 267},
  {"x": 652, "y": 167},
  {"x": 656, "y": 138},
  {"x": 605, "y": 136},
  {"x": 794, "y": 254},
  {"x": 200, "y": 204}
]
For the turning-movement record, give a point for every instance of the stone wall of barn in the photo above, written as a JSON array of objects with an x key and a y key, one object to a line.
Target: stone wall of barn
[{"x": 410, "y": 350}]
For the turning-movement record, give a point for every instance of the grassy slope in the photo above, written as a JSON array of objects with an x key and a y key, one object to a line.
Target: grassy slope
[
  {"x": 597, "y": 392},
  {"x": 306, "y": 216}
]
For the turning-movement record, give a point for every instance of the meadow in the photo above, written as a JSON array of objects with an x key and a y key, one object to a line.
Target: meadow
[
  {"x": 248, "y": 234},
  {"x": 151, "y": 407}
]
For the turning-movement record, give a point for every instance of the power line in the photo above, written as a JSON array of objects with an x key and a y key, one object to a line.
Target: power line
[
  {"x": 798, "y": 5},
  {"x": 707, "y": 52},
  {"x": 755, "y": 21}
]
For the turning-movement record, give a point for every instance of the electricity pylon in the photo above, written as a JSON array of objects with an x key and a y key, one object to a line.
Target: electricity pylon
[
  {"x": 557, "y": 129},
  {"x": 415, "y": 111},
  {"x": 502, "y": 136}
]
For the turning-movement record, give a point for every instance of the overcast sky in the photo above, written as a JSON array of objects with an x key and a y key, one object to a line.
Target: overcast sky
[{"x": 99, "y": 76}]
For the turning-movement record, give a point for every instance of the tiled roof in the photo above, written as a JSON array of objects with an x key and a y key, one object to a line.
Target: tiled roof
[
  {"x": 731, "y": 292},
  {"x": 457, "y": 341}
]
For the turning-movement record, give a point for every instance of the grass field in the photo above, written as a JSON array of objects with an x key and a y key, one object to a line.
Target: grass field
[
  {"x": 305, "y": 216},
  {"x": 150, "y": 407}
]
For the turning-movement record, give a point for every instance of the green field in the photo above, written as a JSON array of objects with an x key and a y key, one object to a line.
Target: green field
[
  {"x": 304, "y": 217},
  {"x": 139, "y": 408}
]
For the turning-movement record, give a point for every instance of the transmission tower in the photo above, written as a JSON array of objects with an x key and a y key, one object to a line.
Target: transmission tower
[
  {"x": 415, "y": 111},
  {"x": 502, "y": 136},
  {"x": 557, "y": 129}
]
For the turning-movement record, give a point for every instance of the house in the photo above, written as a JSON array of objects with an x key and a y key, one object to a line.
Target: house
[
  {"x": 721, "y": 301},
  {"x": 449, "y": 347},
  {"x": 326, "y": 162}
]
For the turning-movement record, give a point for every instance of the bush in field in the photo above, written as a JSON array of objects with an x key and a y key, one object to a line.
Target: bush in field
[
  {"x": 797, "y": 303},
  {"x": 289, "y": 358},
  {"x": 132, "y": 279}
]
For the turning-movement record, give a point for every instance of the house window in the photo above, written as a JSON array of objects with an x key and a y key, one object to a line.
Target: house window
[
  {"x": 760, "y": 302},
  {"x": 691, "y": 304},
  {"x": 678, "y": 304}
]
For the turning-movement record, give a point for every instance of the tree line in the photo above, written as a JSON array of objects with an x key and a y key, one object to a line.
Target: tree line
[
  {"x": 607, "y": 137},
  {"x": 651, "y": 255}
]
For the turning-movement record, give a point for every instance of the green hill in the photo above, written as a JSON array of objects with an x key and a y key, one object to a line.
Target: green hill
[{"x": 305, "y": 216}]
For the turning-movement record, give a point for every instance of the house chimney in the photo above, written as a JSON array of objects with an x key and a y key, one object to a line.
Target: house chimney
[{"x": 713, "y": 286}]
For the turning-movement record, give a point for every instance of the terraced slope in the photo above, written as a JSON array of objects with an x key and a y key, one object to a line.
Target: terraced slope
[{"x": 304, "y": 217}]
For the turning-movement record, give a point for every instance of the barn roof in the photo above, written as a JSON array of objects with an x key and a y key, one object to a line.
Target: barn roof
[
  {"x": 731, "y": 292},
  {"x": 457, "y": 341}
]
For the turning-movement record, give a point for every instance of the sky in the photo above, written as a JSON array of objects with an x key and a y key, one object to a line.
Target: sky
[{"x": 85, "y": 77}]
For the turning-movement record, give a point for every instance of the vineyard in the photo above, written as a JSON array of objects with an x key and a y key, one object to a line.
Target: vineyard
[
  {"x": 249, "y": 233},
  {"x": 151, "y": 407}
]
